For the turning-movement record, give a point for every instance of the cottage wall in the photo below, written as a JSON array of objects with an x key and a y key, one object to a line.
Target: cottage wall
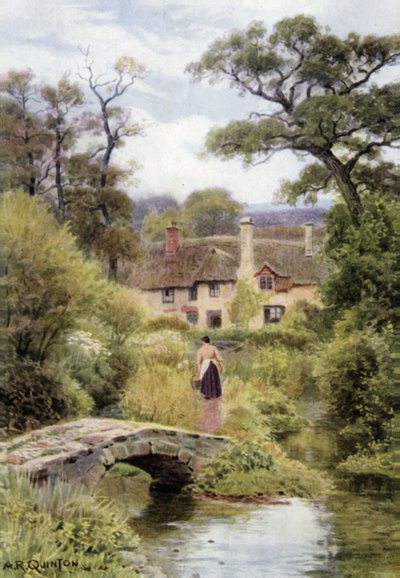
[
  {"x": 203, "y": 304},
  {"x": 308, "y": 293}
]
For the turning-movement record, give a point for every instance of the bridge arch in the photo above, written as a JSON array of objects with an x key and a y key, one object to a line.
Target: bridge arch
[{"x": 82, "y": 451}]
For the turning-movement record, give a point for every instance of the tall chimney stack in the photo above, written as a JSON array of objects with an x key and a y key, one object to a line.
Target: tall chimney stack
[
  {"x": 246, "y": 267},
  {"x": 308, "y": 240},
  {"x": 172, "y": 240}
]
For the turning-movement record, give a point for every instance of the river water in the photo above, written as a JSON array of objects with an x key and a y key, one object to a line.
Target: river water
[{"x": 348, "y": 534}]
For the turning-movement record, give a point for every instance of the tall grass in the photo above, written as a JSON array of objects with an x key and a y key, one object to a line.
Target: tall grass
[{"x": 63, "y": 522}]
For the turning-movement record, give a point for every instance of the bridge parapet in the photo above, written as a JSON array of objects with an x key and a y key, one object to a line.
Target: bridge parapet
[{"x": 83, "y": 450}]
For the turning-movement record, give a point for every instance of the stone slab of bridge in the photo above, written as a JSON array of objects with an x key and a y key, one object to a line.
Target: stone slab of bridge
[{"x": 82, "y": 451}]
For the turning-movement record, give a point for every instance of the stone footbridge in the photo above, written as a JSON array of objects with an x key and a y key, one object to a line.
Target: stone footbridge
[{"x": 82, "y": 451}]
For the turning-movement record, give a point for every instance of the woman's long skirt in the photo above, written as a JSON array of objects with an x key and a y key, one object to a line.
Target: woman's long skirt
[{"x": 210, "y": 382}]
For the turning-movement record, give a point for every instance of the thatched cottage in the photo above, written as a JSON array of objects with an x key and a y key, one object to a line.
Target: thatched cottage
[{"x": 195, "y": 279}]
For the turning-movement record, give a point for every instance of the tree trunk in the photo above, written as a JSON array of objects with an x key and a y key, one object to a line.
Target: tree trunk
[
  {"x": 345, "y": 184},
  {"x": 112, "y": 268},
  {"x": 58, "y": 178}
]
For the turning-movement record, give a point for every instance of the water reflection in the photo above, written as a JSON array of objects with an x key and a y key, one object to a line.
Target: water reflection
[{"x": 190, "y": 537}]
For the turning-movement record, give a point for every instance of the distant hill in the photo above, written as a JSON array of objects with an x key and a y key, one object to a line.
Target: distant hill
[{"x": 264, "y": 215}]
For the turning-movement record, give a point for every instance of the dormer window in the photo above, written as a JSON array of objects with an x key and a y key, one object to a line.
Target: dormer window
[
  {"x": 266, "y": 282},
  {"x": 214, "y": 288},
  {"x": 168, "y": 295}
]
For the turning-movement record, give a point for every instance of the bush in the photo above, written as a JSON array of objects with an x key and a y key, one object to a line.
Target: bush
[
  {"x": 355, "y": 372},
  {"x": 122, "y": 314},
  {"x": 287, "y": 369},
  {"x": 166, "y": 347},
  {"x": 242, "y": 417},
  {"x": 32, "y": 396},
  {"x": 168, "y": 322},
  {"x": 249, "y": 470},
  {"x": 61, "y": 522},
  {"x": 367, "y": 464},
  {"x": 99, "y": 368}
]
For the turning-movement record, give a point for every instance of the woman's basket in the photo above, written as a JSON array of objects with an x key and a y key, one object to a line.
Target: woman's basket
[{"x": 195, "y": 382}]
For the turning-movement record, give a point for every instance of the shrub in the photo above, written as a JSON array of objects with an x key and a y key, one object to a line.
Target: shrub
[
  {"x": 367, "y": 464},
  {"x": 355, "y": 372},
  {"x": 61, "y": 522},
  {"x": 242, "y": 417},
  {"x": 166, "y": 347},
  {"x": 100, "y": 368},
  {"x": 32, "y": 395},
  {"x": 48, "y": 279},
  {"x": 249, "y": 470},
  {"x": 168, "y": 322},
  {"x": 122, "y": 314}
]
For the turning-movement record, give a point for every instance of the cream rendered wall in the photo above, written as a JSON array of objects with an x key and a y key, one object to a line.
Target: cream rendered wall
[
  {"x": 309, "y": 293},
  {"x": 204, "y": 303}
]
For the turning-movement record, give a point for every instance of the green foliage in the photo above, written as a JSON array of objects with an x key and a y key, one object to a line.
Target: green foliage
[
  {"x": 363, "y": 261},
  {"x": 242, "y": 415},
  {"x": 247, "y": 469},
  {"x": 154, "y": 224},
  {"x": 100, "y": 366},
  {"x": 154, "y": 204},
  {"x": 161, "y": 390},
  {"x": 33, "y": 395},
  {"x": 242, "y": 457},
  {"x": 61, "y": 522},
  {"x": 171, "y": 322},
  {"x": 246, "y": 303},
  {"x": 324, "y": 102},
  {"x": 122, "y": 313},
  {"x": 162, "y": 393},
  {"x": 356, "y": 372},
  {"x": 48, "y": 280},
  {"x": 371, "y": 463},
  {"x": 212, "y": 212}
]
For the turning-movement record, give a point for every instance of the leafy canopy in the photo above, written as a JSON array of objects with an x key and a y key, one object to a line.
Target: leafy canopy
[
  {"x": 212, "y": 212},
  {"x": 318, "y": 97}
]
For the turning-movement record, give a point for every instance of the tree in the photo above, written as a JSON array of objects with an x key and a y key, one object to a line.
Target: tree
[
  {"x": 154, "y": 224},
  {"x": 25, "y": 140},
  {"x": 63, "y": 128},
  {"x": 212, "y": 212},
  {"x": 319, "y": 97},
  {"x": 48, "y": 281},
  {"x": 116, "y": 125},
  {"x": 153, "y": 205},
  {"x": 246, "y": 303}
]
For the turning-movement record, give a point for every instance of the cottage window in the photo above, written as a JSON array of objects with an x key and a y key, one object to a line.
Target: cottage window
[
  {"x": 168, "y": 295},
  {"x": 193, "y": 293},
  {"x": 214, "y": 288},
  {"x": 192, "y": 317},
  {"x": 273, "y": 313},
  {"x": 266, "y": 283}
]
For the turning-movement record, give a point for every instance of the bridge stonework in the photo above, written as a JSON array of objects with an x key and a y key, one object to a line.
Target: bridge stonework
[{"x": 82, "y": 451}]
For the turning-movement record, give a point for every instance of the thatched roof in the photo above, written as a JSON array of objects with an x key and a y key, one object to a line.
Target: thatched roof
[{"x": 217, "y": 259}]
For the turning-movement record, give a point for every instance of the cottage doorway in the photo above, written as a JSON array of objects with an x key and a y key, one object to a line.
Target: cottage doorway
[{"x": 214, "y": 319}]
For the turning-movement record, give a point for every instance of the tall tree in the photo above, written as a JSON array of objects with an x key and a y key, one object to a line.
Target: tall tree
[
  {"x": 211, "y": 212},
  {"x": 60, "y": 102},
  {"x": 116, "y": 126},
  {"x": 320, "y": 101},
  {"x": 25, "y": 140}
]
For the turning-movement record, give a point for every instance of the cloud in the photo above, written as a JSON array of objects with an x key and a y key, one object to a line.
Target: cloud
[{"x": 170, "y": 157}]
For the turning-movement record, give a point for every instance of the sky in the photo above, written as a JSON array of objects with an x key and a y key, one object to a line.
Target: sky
[{"x": 165, "y": 36}]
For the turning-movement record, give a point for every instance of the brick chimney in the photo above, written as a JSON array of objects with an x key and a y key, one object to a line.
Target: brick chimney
[
  {"x": 246, "y": 267},
  {"x": 308, "y": 239},
  {"x": 172, "y": 240}
]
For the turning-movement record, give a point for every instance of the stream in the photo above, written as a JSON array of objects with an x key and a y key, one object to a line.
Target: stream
[{"x": 348, "y": 534}]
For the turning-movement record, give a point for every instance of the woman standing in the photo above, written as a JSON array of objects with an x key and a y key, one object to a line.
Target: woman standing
[{"x": 208, "y": 359}]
